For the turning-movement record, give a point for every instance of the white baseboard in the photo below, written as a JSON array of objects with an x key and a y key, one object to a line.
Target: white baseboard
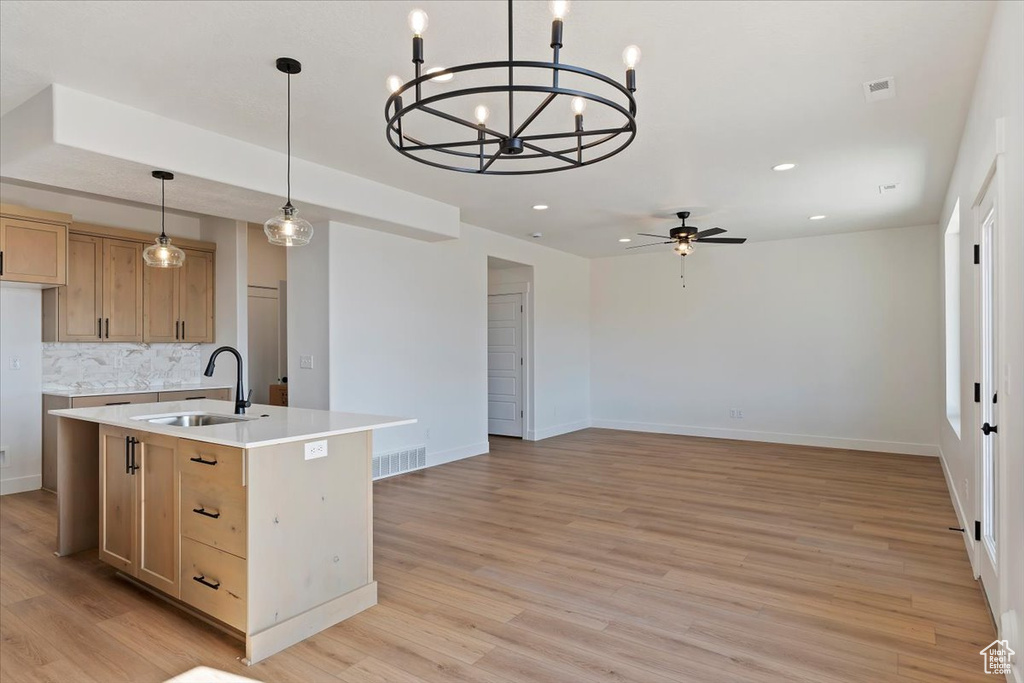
[
  {"x": 931, "y": 450},
  {"x": 21, "y": 484},
  {"x": 461, "y": 453},
  {"x": 958, "y": 509},
  {"x": 557, "y": 430}
]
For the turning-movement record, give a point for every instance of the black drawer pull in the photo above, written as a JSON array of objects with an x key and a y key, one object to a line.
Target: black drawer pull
[
  {"x": 118, "y": 403},
  {"x": 202, "y": 579},
  {"x": 193, "y": 398},
  {"x": 199, "y": 459},
  {"x": 203, "y": 512}
]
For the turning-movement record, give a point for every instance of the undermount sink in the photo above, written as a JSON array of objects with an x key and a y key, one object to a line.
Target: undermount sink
[{"x": 193, "y": 419}]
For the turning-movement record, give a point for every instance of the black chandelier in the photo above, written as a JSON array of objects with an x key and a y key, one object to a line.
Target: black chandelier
[{"x": 514, "y": 151}]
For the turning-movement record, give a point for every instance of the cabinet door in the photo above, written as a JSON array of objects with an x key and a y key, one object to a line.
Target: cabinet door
[
  {"x": 122, "y": 290},
  {"x": 80, "y": 303},
  {"x": 118, "y": 502},
  {"x": 158, "y": 511},
  {"x": 195, "y": 296},
  {"x": 33, "y": 251},
  {"x": 160, "y": 311}
]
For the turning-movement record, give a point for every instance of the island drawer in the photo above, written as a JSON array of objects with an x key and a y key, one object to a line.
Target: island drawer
[
  {"x": 211, "y": 462},
  {"x": 213, "y": 582},
  {"x": 213, "y": 512}
]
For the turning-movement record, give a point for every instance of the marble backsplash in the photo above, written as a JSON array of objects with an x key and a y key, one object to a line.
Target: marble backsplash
[{"x": 91, "y": 366}]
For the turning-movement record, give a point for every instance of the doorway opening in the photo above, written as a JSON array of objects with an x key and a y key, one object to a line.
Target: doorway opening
[
  {"x": 268, "y": 319},
  {"x": 509, "y": 347}
]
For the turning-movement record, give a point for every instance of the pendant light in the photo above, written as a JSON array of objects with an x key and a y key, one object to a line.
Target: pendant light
[
  {"x": 287, "y": 229},
  {"x": 163, "y": 254}
]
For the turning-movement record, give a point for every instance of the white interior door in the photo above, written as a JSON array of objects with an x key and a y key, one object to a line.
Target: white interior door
[
  {"x": 264, "y": 340},
  {"x": 505, "y": 364},
  {"x": 988, "y": 460}
]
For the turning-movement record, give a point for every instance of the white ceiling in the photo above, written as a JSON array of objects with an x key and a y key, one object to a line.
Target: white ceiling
[{"x": 726, "y": 90}]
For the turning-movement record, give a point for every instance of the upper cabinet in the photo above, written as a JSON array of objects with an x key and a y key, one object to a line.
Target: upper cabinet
[
  {"x": 112, "y": 296},
  {"x": 33, "y": 245}
]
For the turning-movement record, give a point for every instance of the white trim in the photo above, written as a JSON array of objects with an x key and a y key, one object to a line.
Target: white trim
[
  {"x": 557, "y": 430},
  {"x": 460, "y": 453},
  {"x": 958, "y": 510},
  {"x": 931, "y": 450},
  {"x": 21, "y": 484}
]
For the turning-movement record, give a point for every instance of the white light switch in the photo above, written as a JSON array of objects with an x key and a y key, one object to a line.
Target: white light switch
[
  {"x": 15, "y": 363},
  {"x": 316, "y": 449},
  {"x": 306, "y": 362}
]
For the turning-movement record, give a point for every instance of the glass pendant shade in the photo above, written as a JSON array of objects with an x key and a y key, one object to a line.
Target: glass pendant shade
[
  {"x": 288, "y": 229},
  {"x": 163, "y": 254}
]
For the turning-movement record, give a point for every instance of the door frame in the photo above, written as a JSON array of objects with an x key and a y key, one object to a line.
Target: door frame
[{"x": 526, "y": 289}]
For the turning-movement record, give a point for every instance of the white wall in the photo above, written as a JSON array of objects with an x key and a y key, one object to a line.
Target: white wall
[
  {"x": 998, "y": 95},
  {"x": 407, "y": 328},
  {"x": 231, "y": 306},
  {"x": 20, "y": 390},
  {"x": 830, "y": 340}
]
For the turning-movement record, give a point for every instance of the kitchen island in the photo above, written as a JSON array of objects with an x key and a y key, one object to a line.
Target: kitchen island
[{"x": 260, "y": 523}]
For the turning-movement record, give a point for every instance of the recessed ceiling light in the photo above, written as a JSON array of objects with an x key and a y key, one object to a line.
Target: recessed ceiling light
[
  {"x": 540, "y": 207},
  {"x": 783, "y": 167},
  {"x": 625, "y": 239},
  {"x": 819, "y": 217},
  {"x": 443, "y": 78}
]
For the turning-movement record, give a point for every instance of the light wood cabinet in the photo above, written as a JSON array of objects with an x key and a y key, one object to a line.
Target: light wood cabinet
[
  {"x": 139, "y": 506},
  {"x": 82, "y": 298},
  {"x": 33, "y": 245},
  {"x": 112, "y": 296},
  {"x": 179, "y": 301}
]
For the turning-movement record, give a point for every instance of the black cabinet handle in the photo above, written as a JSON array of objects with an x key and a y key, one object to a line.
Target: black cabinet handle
[
  {"x": 989, "y": 429},
  {"x": 118, "y": 403},
  {"x": 182, "y": 330},
  {"x": 177, "y": 326},
  {"x": 99, "y": 327},
  {"x": 127, "y": 463},
  {"x": 133, "y": 441},
  {"x": 1, "y": 263},
  {"x": 193, "y": 398},
  {"x": 199, "y": 459},
  {"x": 108, "y": 327},
  {"x": 202, "y": 579},
  {"x": 205, "y": 513}
]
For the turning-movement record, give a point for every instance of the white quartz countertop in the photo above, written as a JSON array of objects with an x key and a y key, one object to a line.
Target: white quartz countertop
[
  {"x": 107, "y": 391},
  {"x": 269, "y": 425}
]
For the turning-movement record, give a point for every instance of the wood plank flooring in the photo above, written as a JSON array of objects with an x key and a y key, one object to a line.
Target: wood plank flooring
[{"x": 594, "y": 556}]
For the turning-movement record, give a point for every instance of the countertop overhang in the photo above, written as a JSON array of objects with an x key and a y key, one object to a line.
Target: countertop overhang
[{"x": 272, "y": 424}]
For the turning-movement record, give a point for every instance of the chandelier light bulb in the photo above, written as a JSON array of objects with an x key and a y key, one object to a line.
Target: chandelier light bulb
[
  {"x": 394, "y": 83},
  {"x": 578, "y": 105},
  {"x": 631, "y": 56},
  {"x": 559, "y": 8},
  {"x": 443, "y": 78},
  {"x": 418, "y": 22},
  {"x": 481, "y": 113}
]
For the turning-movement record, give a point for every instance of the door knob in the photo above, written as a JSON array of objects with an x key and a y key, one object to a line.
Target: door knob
[{"x": 989, "y": 429}]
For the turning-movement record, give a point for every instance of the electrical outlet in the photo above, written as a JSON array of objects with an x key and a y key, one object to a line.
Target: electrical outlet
[
  {"x": 316, "y": 449},
  {"x": 735, "y": 413},
  {"x": 306, "y": 362},
  {"x": 15, "y": 363}
]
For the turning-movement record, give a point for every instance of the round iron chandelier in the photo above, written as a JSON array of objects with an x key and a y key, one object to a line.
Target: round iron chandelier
[{"x": 521, "y": 148}]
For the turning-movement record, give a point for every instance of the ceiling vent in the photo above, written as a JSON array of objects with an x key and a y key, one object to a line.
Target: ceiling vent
[
  {"x": 888, "y": 188},
  {"x": 880, "y": 89}
]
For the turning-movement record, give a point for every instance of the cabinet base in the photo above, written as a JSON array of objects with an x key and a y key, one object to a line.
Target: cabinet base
[{"x": 259, "y": 646}]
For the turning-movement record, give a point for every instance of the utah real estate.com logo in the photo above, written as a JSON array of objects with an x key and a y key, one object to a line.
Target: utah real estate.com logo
[{"x": 997, "y": 657}]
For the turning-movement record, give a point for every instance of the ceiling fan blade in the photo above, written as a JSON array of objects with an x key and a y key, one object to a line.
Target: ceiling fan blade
[
  {"x": 709, "y": 232},
  {"x": 660, "y": 237},
  {"x": 652, "y": 244},
  {"x": 722, "y": 240}
]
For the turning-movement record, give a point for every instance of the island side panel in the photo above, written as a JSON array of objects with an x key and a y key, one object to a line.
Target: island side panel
[
  {"x": 78, "y": 485},
  {"x": 309, "y": 540},
  {"x": 50, "y": 438}
]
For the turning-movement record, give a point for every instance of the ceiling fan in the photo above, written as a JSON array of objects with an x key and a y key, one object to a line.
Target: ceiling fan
[{"x": 685, "y": 236}]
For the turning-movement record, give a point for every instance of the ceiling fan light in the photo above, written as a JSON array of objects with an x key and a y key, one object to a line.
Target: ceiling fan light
[{"x": 684, "y": 248}]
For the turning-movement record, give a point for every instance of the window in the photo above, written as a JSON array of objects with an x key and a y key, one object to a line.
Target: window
[{"x": 951, "y": 253}]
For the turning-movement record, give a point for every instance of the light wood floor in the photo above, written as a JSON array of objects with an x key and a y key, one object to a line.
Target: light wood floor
[{"x": 595, "y": 556}]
